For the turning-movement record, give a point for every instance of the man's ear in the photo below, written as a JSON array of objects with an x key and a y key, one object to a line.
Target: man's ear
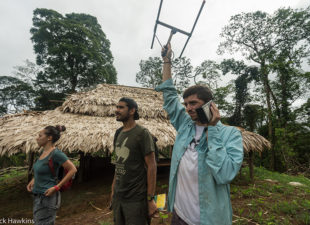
[{"x": 132, "y": 111}]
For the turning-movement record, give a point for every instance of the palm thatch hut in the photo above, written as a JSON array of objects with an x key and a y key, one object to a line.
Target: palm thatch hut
[
  {"x": 90, "y": 121},
  {"x": 253, "y": 142},
  {"x": 102, "y": 101},
  {"x": 89, "y": 134}
]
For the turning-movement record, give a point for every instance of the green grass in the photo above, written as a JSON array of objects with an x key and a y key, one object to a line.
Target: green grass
[
  {"x": 76, "y": 162},
  {"x": 269, "y": 203},
  {"x": 105, "y": 223},
  {"x": 13, "y": 174},
  {"x": 262, "y": 173}
]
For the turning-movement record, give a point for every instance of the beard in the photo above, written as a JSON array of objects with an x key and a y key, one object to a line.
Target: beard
[{"x": 122, "y": 118}]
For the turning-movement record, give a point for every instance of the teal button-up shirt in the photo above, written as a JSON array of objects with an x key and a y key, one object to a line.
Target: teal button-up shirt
[{"x": 219, "y": 160}]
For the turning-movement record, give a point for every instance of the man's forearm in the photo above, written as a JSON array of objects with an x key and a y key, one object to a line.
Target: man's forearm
[
  {"x": 151, "y": 179},
  {"x": 112, "y": 186},
  {"x": 166, "y": 69}
]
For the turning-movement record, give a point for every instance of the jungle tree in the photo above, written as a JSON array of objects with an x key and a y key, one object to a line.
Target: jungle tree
[
  {"x": 263, "y": 39},
  {"x": 73, "y": 51}
]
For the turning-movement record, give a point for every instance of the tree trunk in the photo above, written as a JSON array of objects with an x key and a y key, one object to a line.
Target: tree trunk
[
  {"x": 251, "y": 165},
  {"x": 284, "y": 98},
  {"x": 269, "y": 110}
]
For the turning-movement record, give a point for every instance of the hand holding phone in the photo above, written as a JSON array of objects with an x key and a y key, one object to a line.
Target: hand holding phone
[{"x": 204, "y": 113}]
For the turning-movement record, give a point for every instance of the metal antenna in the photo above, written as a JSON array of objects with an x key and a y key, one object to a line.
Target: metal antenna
[
  {"x": 174, "y": 29},
  {"x": 155, "y": 28},
  {"x": 203, "y": 3}
]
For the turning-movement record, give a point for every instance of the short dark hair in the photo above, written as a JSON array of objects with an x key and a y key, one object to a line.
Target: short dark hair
[
  {"x": 131, "y": 104},
  {"x": 203, "y": 92},
  {"x": 54, "y": 132}
]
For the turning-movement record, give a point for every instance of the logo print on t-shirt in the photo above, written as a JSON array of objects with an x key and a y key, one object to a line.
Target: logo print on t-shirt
[{"x": 122, "y": 152}]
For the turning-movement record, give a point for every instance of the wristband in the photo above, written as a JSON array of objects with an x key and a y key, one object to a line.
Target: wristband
[
  {"x": 56, "y": 187},
  {"x": 150, "y": 197}
]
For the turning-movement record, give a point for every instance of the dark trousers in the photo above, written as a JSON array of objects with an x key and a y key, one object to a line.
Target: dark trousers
[
  {"x": 130, "y": 213},
  {"x": 176, "y": 220}
]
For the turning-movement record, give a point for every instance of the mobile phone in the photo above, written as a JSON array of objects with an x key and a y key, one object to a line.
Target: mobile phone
[{"x": 204, "y": 113}]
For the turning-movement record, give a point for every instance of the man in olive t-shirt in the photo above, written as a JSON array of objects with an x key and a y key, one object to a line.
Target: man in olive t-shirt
[{"x": 134, "y": 181}]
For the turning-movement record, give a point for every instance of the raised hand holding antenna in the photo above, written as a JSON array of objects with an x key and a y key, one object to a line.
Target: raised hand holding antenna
[
  {"x": 163, "y": 54},
  {"x": 166, "y": 53}
]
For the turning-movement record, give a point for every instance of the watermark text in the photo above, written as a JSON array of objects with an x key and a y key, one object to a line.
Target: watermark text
[{"x": 16, "y": 221}]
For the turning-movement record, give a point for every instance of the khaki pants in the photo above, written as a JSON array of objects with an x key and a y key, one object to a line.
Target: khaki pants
[{"x": 45, "y": 208}]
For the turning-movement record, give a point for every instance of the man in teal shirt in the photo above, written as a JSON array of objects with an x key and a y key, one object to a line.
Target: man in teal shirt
[{"x": 205, "y": 158}]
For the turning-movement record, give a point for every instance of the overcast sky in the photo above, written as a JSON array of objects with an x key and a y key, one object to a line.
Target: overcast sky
[{"x": 129, "y": 26}]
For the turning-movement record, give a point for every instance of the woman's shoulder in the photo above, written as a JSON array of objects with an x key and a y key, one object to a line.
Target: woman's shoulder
[
  {"x": 58, "y": 151},
  {"x": 59, "y": 154}
]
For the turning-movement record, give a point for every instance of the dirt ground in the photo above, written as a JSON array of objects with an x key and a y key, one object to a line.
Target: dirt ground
[
  {"x": 94, "y": 209},
  {"x": 84, "y": 204}
]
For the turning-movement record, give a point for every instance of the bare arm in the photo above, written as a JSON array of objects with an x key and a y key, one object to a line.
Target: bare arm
[
  {"x": 167, "y": 64},
  {"x": 112, "y": 193},
  {"x": 69, "y": 166},
  {"x": 30, "y": 185},
  {"x": 112, "y": 188},
  {"x": 151, "y": 173},
  {"x": 151, "y": 180},
  {"x": 176, "y": 111}
]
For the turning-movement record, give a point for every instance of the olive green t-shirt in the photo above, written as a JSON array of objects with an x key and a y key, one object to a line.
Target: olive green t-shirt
[
  {"x": 43, "y": 177},
  {"x": 130, "y": 171}
]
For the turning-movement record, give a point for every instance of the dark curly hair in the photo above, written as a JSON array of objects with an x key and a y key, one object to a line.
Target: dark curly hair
[
  {"x": 202, "y": 92},
  {"x": 54, "y": 132}
]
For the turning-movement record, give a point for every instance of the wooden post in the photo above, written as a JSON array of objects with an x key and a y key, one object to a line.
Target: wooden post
[
  {"x": 107, "y": 152},
  {"x": 84, "y": 168},
  {"x": 251, "y": 165},
  {"x": 87, "y": 171},
  {"x": 170, "y": 151},
  {"x": 81, "y": 167},
  {"x": 30, "y": 165}
]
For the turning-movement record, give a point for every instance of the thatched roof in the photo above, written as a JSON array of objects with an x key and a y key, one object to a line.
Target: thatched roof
[
  {"x": 90, "y": 122},
  {"x": 254, "y": 142},
  {"x": 102, "y": 100},
  {"x": 86, "y": 133}
]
